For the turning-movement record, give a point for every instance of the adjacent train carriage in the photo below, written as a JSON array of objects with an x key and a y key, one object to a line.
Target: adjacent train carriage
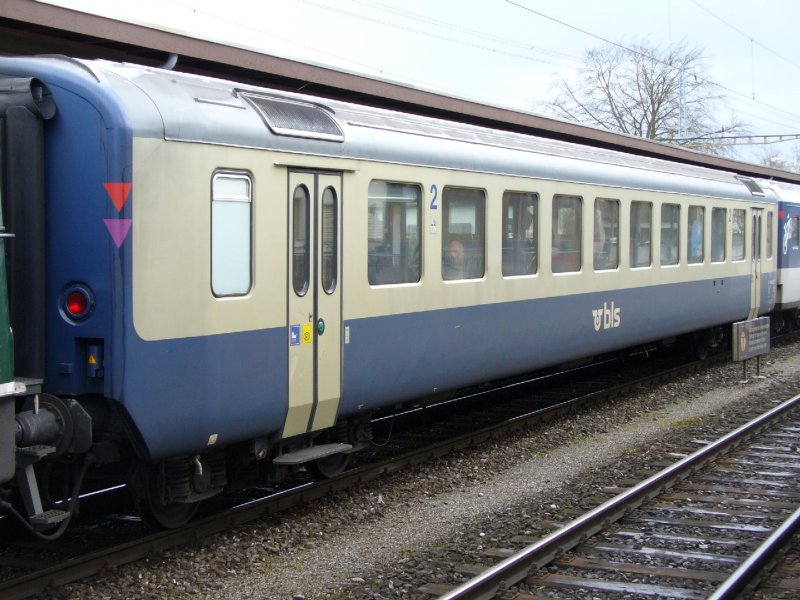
[
  {"x": 237, "y": 279},
  {"x": 788, "y": 291}
]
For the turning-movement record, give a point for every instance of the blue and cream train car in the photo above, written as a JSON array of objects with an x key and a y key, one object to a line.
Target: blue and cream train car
[{"x": 237, "y": 279}]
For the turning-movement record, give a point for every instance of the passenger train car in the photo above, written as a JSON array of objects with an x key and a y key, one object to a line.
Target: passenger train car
[
  {"x": 788, "y": 293},
  {"x": 234, "y": 280}
]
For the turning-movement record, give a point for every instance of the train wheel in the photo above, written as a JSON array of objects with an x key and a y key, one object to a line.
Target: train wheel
[
  {"x": 150, "y": 505},
  {"x": 330, "y": 466},
  {"x": 708, "y": 342}
]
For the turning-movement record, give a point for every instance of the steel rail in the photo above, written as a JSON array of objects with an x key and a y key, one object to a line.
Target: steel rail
[
  {"x": 535, "y": 556},
  {"x": 749, "y": 570}
]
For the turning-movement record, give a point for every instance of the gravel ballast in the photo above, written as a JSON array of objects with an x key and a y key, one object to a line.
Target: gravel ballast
[{"x": 389, "y": 536}]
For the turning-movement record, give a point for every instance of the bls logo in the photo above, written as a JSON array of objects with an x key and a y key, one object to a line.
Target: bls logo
[{"x": 606, "y": 318}]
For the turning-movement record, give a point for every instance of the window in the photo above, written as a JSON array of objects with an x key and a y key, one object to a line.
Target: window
[
  {"x": 329, "y": 241},
  {"x": 567, "y": 227},
  {"x": 463, "y": 213},
  {"x": 719, "y": 217},
  {"x": 738, "y": 220},
  {"x": 301, "y": 240},
  {"x": 796, "y": 232},
  {"x": 231, "y": 225},
  {"x": 393, "y": 241},
  {"x": 696, "y": 237},
  {"x": 641, "y": 231},
  {"x": 606, "y": 234},
  {"x": 769, "y": 233},
  {"x": 520, "y": 233},
  {"x": 670, "y": 234}
]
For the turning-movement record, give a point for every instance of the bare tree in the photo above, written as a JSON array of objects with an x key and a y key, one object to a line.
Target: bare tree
[
  {"x": 647, "y": 92},
  {"x": 788, "y": 159}
]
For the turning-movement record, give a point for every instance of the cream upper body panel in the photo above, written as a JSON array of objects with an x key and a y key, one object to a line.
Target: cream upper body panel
[{"x": 172, "y": 288}]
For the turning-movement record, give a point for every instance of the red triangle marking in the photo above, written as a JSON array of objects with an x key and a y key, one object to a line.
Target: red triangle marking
[{"x": 118, "y": 192}]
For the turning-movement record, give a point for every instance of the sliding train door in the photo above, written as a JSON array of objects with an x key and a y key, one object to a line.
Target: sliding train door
[
  {"x": 755, "y": 264},
  {"x": 314, "y": 303}
]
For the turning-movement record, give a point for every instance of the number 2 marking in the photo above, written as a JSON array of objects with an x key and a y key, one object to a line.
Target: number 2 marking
[{"x": 435, "y": 192}]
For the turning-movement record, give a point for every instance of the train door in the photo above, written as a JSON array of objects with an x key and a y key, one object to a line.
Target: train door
[
  {"x": 314, "y": 306},
  {"x": 755, "y": 267}
]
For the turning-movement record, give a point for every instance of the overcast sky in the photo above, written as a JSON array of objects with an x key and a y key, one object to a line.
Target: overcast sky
[{"x": 506, "y": 52}]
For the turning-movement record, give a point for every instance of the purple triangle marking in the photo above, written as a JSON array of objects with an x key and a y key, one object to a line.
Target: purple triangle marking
[{"x": 118, "y": 228}]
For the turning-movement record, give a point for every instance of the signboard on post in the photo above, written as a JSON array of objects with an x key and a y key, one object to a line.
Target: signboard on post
[{"x": 751, "y": 338}]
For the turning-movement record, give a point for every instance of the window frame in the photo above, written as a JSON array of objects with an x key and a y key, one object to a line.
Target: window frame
[
  {"x": 556, "y": 223},
  {"x": 743, "y": 234},
  {"x": 636, "y": 237},
  {"x": 715, "y": 210},
  {"x": 300, "y": 292},
  {"x": 463, "y": 271},
  {"x": 690, "y": 256},
  {"x": 329, "y": 269},
  {"x": 770, "y": 234},
  {"x": 614, "y": 229},
  {"x": 674, "y": 225},
  {"x": 513, "y": 241},
  {"x": 406, "y": 255},
  {"x": 221, "y": 252}
]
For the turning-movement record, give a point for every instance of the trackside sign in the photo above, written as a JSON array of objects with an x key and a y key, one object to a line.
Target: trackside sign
[{"x": 750, "y": 338}]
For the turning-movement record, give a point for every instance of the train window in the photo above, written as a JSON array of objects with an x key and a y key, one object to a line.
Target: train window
[
  {"x": 769, "y": 233},
  {"x": 738, "y": 225},
  {"x": 641, "y": 233},
  {"x": 463, "y": 249},
  {"x": 329, "y": 241},
  {"x": 567, "y": 228},
  {"x": 606, "y": 234},
  {"x": 696, "y": 237},
  {"x": 670, "y": 234},
  {"x": 520, "y": 233},
  {"x": 231, "y": 226},
  {"x": 393, "y": 241},
  {"x": 301, "y": 240},
  {"x": 796, "y": 232},
  {"x": 719, "y": 218}
]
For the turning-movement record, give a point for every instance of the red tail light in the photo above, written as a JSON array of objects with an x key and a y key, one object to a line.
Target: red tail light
[{"x": 77, "y": 302}]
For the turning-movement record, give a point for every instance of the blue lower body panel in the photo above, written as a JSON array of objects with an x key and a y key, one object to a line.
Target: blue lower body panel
[
  {"x": 191, "y": 394},
  {"x": 396, "y": 358},
  {"x": 186, "y": 395}
]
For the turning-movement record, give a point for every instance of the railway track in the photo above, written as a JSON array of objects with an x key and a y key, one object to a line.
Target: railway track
[
  {"x": 410, "y": 439},
  {"x": 704, "y": 527}
]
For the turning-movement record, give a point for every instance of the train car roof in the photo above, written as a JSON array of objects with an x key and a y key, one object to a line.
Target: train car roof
[
  {"x": 184, "y": 107},
  {"x": 27, "y": 26}
]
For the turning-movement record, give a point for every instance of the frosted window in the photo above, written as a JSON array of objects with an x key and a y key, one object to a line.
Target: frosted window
[{"x": 231, "y": 243}]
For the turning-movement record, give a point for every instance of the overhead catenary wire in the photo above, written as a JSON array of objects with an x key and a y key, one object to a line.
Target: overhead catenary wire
[{"x": 478, "y": 40}]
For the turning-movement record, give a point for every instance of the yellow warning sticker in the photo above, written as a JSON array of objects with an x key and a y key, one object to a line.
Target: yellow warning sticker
[
  {"x": 308, "y": 333},
  {"x": 92, "y": 360}
]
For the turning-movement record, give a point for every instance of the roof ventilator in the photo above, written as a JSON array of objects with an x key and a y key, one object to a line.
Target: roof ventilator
[
  {"x": 295, "y": 118},
  {"x": 754, "y": 188}
]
